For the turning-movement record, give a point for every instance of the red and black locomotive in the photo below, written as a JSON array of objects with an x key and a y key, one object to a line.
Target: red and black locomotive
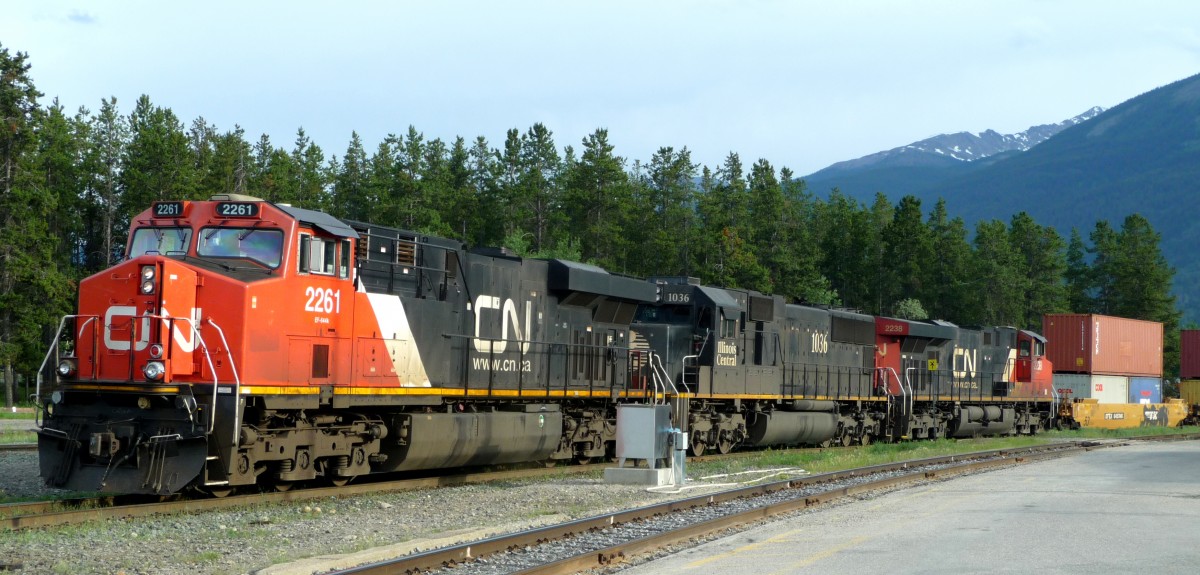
[{"x": 245, "y": 343}]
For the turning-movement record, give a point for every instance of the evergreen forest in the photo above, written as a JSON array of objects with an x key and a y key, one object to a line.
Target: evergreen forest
[{"x": 70, "y": 181}]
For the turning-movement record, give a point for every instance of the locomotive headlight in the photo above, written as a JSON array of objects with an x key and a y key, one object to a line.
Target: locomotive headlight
[
  {"x": 66, "y": 368},
  {"x": 148, "y": 276},
  {"x": 154, "y": 370},
  {"x": 56, "y": 397},
  {"x": 144, "y": 402},
  {"x": 156, "y": 351}
]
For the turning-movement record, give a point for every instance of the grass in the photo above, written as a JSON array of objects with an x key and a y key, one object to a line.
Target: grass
[
  {"x": 17, "y": 436},
  {"x": 6, "y": 414}
]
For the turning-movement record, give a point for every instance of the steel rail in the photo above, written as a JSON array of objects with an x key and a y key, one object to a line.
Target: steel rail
[
  {"x": 18, "y": 446},
  {"x": 457, "y": 555}
]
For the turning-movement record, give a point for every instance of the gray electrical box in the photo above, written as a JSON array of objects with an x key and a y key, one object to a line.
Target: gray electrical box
[{"x": 642, "y": 432}]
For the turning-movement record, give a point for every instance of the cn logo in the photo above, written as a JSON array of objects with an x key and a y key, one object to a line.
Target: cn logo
[
  {"x": 967, "y": 359},
  {"x": 185, "y": 343},
  {"x": 486, "y": 305}
]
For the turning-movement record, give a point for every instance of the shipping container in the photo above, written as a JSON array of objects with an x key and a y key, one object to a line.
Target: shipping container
[
  {"x": 1088, "y": 413},
  {"x": 1189, "y": 353},
  {"x": 1103, "y": 345},
  {"x": 1103, "y": 388},
  {"x": 1145, "y": 390},
  {"x": 1189, "y": 390}
]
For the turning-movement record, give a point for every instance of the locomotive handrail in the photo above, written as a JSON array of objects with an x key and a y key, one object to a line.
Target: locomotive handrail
[
  {"x": 663, "y": 369},
  {"x": 909, "y": 392},
  {"x": 37, "y": 391},
  {"x": 660, "y": 372},
  {"x": 237, "y": 387}
]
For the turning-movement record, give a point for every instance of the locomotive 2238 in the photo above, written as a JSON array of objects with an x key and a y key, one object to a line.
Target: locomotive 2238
[{"x": 245, "y": 343}]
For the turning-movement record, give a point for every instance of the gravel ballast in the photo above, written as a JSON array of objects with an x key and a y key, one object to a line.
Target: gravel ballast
[{"x": 274, "y": 539}]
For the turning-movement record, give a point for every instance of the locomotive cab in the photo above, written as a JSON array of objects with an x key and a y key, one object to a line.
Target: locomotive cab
[{"x": 154, "y": 358}]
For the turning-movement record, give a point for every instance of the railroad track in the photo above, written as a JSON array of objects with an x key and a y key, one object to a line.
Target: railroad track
[
  {"x": 16, "y": 516},
  {"x": 51, "y": 513},
  {"x": 73, "y": 510},
  {"x": 608, "y": 539},
  {"x": 18, "y": 446}
]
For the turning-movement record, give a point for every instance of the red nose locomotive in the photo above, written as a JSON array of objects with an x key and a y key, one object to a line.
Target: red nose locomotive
[{"x": 248, "y": 343}]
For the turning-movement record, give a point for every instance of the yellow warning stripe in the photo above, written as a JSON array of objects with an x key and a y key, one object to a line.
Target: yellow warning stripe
[
  {"x": 571, "y": 393},
  {"x": 130, "y": 388}
]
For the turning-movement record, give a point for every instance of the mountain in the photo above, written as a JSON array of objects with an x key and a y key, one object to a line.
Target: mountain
[
  {"x": 908, "y": 169},
  {"x": 1140, "y": 156}
]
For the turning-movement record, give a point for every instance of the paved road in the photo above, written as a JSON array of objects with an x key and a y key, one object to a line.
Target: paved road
[{"x": 1132, "y": 509}]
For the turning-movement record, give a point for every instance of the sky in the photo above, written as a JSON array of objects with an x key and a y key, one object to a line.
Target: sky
[{"x": 802, "y": 84}]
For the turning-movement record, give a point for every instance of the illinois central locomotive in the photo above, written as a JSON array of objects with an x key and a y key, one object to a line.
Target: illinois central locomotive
[{"x": 244, "y": 343}]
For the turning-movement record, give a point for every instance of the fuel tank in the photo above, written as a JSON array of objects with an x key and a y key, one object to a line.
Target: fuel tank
[
  {"x": 790, "y": 427},
  {"x": 438, "y": 440},
  {"x": 987, "y": 420}
]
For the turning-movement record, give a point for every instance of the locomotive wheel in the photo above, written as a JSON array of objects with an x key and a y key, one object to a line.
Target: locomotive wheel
[
  {"x": 284, "y": 485},
  {"x": 847, "y": 438},
  {"x": 698, "y": 445},
  {"x": 864, "y": 439},
  {"x": 339, "y": 481},
  {"x": 582, "y": 459},
  {"x": 220, "y": 492},
  {"x": 724, "y": 446}
]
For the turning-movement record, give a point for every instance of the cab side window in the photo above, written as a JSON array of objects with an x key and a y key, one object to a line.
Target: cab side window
[{"x": 319, "y": 256}]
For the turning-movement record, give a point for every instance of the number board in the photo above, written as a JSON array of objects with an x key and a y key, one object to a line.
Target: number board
[
  {"x": 237, "y": 209},
  {"x": 167, "y": 209},
  {"x": 675, "y": 294},
  {"x": 885, "y": 326}
]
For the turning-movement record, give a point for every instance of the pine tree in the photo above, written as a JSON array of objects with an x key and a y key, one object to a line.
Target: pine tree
[
  {"x": 801, "y": 277},
  {"x": 485, "y": 176},
  {"x": 32, "y": 287},
  {"x": 109, "y": 135},
  {"x": 1077, "y": 276},
  {"x": 539, "y": 189},
  {"x": 311, "y": 177},
  {"x": 666, "y": 217},
  {"x": 1103, "y": 273},
  {"x": 951, "y": 273},
  {"x": 598, "y": 198},
  {"x": 157, "y": 164},
  {"x": 1000, "y": 291},
  {"x": 908, "y": 254},
  {"x": 1041, "y": 263},
  {"x": 460, "y": 211},
  {"x": 350, "y": 189}
]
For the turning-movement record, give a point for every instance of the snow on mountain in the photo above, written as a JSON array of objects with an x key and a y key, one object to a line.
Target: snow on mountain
[{"x": 963, "y": 146}]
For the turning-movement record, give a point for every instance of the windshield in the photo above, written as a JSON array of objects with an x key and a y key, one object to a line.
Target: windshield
[
  {"x": 165, "y": 241},
  {"x": 264, "y": 246}
]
